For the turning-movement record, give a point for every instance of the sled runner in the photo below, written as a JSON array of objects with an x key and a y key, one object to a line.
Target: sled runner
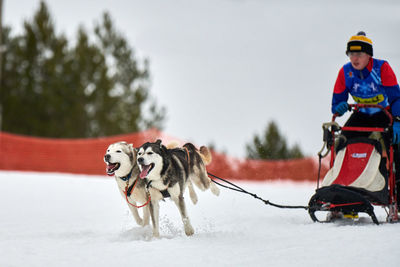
[{"x": 361, "y": 173}]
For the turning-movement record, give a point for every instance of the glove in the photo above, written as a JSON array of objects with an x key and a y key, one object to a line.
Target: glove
[
  {"x": 396, "y": 132},
  {"x": 341, "y": 108}
]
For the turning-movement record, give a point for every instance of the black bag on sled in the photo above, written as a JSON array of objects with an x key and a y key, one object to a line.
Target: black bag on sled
[{"x": 358, "y": 178}]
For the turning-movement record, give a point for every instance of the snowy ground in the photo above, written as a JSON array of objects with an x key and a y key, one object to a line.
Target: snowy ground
[{"x": 75, "y": 220}]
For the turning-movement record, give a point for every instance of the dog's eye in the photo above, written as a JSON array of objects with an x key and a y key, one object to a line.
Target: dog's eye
[
  {"x": 118, "y": 151},
  {"x": 150, "y": 153}
]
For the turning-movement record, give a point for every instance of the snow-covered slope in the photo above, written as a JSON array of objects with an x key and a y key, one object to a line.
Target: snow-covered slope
[{"x": 72, "y": 220}]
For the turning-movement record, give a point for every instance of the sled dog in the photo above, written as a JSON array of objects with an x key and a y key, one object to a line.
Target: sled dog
[
  {"x": 121, "y": 162},
  {"x": 168, "y": 171}
]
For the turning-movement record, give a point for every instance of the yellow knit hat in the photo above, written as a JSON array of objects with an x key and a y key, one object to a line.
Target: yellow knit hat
[{"x": 360, "y": 43}]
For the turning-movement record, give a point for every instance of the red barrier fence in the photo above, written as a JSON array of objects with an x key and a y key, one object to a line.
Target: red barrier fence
[{"x": 85, "y": 156}]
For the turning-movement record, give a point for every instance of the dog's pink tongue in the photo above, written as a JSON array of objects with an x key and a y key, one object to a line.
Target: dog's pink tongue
[
  {"x": 144, "y": 172},
  {"x": 109, "y": 169}
]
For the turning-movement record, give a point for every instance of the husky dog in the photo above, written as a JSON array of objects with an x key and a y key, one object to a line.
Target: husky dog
[
  {"x": 121, "y": 162},
  {"x": 168, "y": 171}
]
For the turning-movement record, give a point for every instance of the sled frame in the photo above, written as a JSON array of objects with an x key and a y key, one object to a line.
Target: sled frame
[{"x": 393, "y": 215}]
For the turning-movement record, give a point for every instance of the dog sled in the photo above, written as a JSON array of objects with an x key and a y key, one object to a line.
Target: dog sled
[{"x": 361, "y": 174}]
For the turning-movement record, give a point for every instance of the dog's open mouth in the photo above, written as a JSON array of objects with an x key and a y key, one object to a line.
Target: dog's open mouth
[
  {"x": 111, "y": 168},
  {"x": 146, "y": 169}
]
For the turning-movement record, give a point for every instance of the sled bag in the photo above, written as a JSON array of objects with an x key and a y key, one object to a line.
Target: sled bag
[{"x": 359, "y": 164}]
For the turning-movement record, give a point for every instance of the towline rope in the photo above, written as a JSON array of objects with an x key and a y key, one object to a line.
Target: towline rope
[{"x": 241, "y": 190}]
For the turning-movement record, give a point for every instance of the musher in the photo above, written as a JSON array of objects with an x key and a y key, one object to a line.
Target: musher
[{"x": 368, "y": 81}]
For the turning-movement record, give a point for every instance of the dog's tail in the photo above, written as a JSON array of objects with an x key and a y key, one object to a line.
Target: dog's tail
[
  {"x": 173, "y": 144},
  {"x": 205, "y": 155}
]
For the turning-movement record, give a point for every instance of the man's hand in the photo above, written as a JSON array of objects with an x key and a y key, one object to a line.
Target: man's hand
[
  {"x": 342, "y": 107},
  {"x": 396, "y": 132}
]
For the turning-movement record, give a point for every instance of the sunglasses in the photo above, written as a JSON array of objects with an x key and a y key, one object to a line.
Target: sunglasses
[{"x": 355, "y": 54}]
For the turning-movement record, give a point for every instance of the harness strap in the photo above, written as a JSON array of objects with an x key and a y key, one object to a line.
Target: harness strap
[
  {"x": 164, "y": 192},
  {"x": 130, "y": 189},
  {"x": 188, "y": 155}
]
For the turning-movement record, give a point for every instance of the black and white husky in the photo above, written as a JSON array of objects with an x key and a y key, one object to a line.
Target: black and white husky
[
  {"x": 168, "y": 171},
  {"x": 120, "y": 158}
]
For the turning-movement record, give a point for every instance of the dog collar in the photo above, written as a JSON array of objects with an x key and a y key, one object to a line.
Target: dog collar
[{"x": 126, "y": 178}]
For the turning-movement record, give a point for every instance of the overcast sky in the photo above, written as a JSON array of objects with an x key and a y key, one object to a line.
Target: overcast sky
[{"x": 225, "y": 68}]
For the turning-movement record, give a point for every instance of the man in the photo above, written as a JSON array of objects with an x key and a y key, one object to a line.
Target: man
[{"x": 368, "y": 81}]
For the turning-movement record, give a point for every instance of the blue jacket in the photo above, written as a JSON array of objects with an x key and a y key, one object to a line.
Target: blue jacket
[{"x": 375, "y": 84}]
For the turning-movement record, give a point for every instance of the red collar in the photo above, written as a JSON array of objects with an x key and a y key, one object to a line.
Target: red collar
[{"x": 370, "y": 64}]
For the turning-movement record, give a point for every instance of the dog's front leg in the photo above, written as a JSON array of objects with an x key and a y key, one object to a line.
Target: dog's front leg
[
  {"x": 146, "y": 216},
  {"x": 133, "y": 210},
  {"x": 135, "y": 213},
  {"x": 180, "y": 202},
  {"x": 154, "y": 214}
]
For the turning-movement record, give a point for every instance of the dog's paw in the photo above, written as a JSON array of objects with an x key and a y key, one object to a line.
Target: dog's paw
[
  {"x": 145, "y": 222},
  {"x": 214, "y": 189},
  {"x": 195, "y": 200},
  {"x": 139, "y": 221},
  {"x": 156, "y": 234},
  {"x": 189, "y": 230},
  {"x": 193, "y": 197},
  {"x": 188, "y": 227}
]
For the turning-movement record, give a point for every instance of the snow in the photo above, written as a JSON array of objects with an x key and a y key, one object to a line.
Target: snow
[{"x": 51, "y": 219}]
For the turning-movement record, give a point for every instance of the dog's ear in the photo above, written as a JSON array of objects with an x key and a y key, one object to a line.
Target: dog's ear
[
  {"x": 166, "y": 155},
  {"x": 158, "y": 142},
  {"x": 164, "y": 149},
  {"x": 131, "y": 148},
  {"x": 132, "y": 152}
]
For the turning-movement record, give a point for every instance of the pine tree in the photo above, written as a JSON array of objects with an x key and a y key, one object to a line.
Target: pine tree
[
  {"x": 272, "y": 146},
  {"x": 95, "y": 87}
]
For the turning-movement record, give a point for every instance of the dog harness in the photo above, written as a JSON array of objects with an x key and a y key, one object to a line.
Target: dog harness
[
  {"x": 130, "y": 189},
  {"x": 128, "y": 192},
  {"x": 164, "y": 193}
]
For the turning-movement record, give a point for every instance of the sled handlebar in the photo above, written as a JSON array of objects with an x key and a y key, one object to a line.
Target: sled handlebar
[
  {"x": 330, "y": 128},
  {"x": 357, "y": 107}
]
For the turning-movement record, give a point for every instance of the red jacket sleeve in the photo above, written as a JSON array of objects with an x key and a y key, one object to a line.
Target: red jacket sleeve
[
  {"x": 388, "y": 77},
  {"x": 340, "y": 84}
]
